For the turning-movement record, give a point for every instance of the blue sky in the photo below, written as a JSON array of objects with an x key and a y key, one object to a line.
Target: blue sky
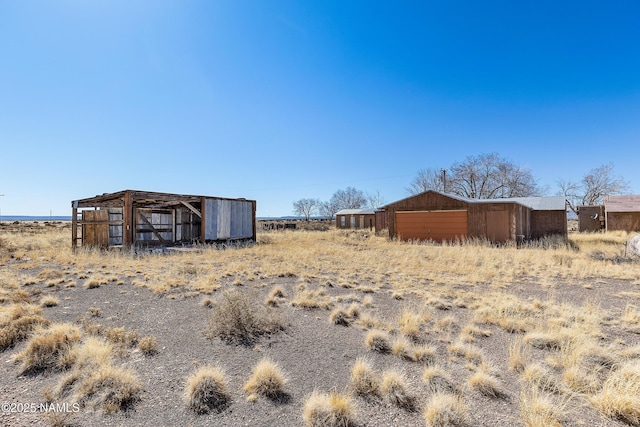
[{"x": 280, "y": 100}]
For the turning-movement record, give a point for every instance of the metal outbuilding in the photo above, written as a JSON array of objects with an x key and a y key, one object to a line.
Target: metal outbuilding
[
  {"x": 622, "y": 212},
  {"x": 356, "y": 218},
  {"x": 445, "y": 217},
  {"x": 144, "y": 218}
]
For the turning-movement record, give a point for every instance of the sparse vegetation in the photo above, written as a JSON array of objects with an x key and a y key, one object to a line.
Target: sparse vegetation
[
  {"x": 237, "y": 318},
  {"x": 468, "y": 311},
  {"x": 444, "y": 410},
  {"x": 364, "y": 380}
]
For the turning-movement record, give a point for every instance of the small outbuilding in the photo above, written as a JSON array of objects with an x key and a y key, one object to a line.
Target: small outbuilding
[
  {"x": 591, "y": 218},
  {"x": 143, "y": 218},
  {"x": 356, "y": 218},
  {"x": 446, "y": 217},
  {"x": 622, "y": 212}
]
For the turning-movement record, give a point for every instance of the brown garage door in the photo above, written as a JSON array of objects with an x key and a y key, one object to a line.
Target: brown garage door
[{"x": 431, "y": 225}]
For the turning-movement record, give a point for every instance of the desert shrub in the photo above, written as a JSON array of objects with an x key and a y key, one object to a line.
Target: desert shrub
[
  {"x": 50, "y": 349},
  {"x": 444, "y": 410},
  {"x": 329, "y": 410},
  {"x": 395, "y": 388},
  {"x": 237, "y": 318},
  {"x": 148, "y": 345},
  {"x": 17, "y": 322},
  {"x": 378, "y": 341},
  {"x": 353, "y": 310},
  {"x": 363, "y": 379},
  {"x": 267, "y": 380},
  {"x": 206, "y": 390},
  {"x": 541, "y": 377}
]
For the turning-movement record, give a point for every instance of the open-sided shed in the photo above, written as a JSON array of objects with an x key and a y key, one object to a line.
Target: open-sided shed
[
  {"x": 143, "y": 218},
  {"x": 622, "y": 212},
  {"x": 437, "y": 216}
]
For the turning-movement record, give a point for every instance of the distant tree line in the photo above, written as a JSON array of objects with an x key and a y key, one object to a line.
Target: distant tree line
[
  {"x": 490, "y": 176},
  {"x": 484, "y": 176},
  {"x": 349, "y": 198}
]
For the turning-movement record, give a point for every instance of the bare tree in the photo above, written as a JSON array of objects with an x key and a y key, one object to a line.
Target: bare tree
[
  {"x": 375, "y": 200},
  {"x": 486, "y": 176},
  {"x": 595, "y": 185},
  {"x": 489, "y": 176},
  {"x": 306, "y": 207},
  {"x": 429, "y": 179},
  {"x": 349, "y": 198},
  {"x": 328, "y": 209}
]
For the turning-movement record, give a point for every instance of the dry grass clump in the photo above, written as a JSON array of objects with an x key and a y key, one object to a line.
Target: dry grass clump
[
  {"x": 49, "y": 301},
  {"x": 538, "y": 375},
  {"x": 538, "y": 409},
  {"x": 470, "y": 352},
  {"x": 438, "y": 381},
  {"x": 311, "y": 299},
  {"x": 267, "y": 380},
  {"x": 339, "y": 316},
  {"x": 95, "y": 382},
  {"x": 96, "y": 282},
  {"x": 206, "y": 390},
  {"x": 17, "y": 321},
  {"x": 519, "y": 355},
  {"x": 276, "y": 297},
  {"x": 470, "y": 332},
  {"x": 378, "y": 341},
  {"x": 410, "y": 324},
  {"x": 486, "y": 384},
  {"x": 148, "y": 345},
  {"x": 444, "y": 410},
  {"x": 329, "y": 410},
  {"x": 424, "y": 354},
  {"x": 395, "y": 388},
  {"x": 401, "y": 347},
  {"x": 50, "y": 348},
  {"x": 238, "y": 318},
  {"x": 544, "y": 340},
  {"x": 364, "y": 380},
  {"x": 120, "y": 335},
  {"x": 619, "y": 397}
]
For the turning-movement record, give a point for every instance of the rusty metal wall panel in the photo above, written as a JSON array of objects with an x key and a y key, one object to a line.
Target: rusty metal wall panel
[
  {"x": 498, "y": 226},
  {"x": 438, "y": 225},
  {"x": 625, "y": 221},
  {"x": 590, "y": 218}
]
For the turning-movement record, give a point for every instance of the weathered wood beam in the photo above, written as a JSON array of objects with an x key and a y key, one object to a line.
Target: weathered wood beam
[
  {"x": 153, "y": 229},
  {"x": 192, "y": 208}
]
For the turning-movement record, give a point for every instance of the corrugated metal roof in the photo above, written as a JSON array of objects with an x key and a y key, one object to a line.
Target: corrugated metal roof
[
  {"x": 628, "y": 203},
  {"x": 366, "y": 211},
  {"x": 548, "y": 203}
]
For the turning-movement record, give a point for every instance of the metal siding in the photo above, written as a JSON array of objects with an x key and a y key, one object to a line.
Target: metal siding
[{"x": 431, "y": 225}]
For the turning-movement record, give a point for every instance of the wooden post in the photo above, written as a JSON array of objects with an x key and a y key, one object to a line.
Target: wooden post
[
  {"x": 253, "y": 217},
  {"x": 203, "y": 220},
  {"x": 128, "y": 229},
  {"x": 74, "y": 225}
]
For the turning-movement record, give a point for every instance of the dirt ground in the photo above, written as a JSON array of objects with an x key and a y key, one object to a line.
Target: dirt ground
[{"x": 314, "y": 353}]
